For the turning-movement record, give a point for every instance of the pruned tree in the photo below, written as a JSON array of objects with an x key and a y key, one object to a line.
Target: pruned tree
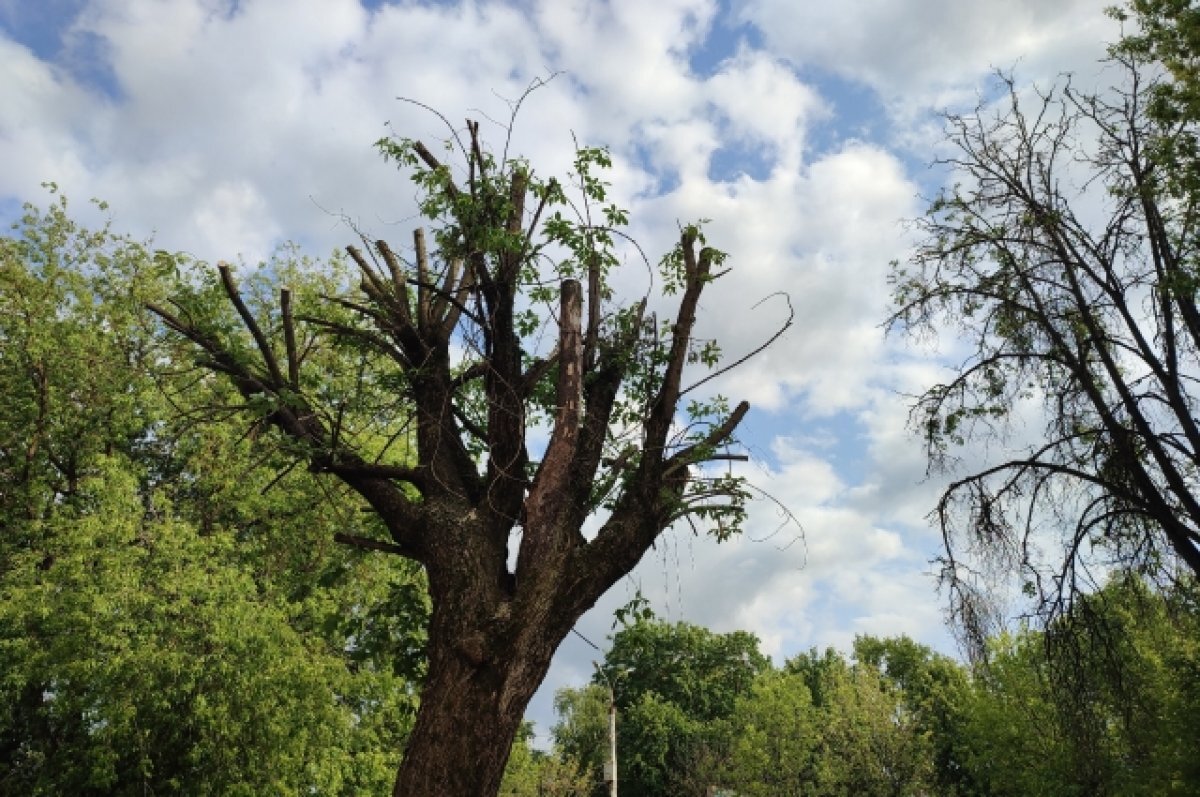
[
  {"x": 450, "y": 471},
  {"x": 1065, "y": 263}
]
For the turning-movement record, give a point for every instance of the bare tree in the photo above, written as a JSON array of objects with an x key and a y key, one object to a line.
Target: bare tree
[
  {"x": 1060, "y": 258},
  {"x": 454, "y": 329}
]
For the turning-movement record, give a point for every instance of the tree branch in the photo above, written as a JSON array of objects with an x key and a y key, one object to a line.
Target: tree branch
[
  {"x": 367, "y": 544},
  {"x": 248, "y": 319}
]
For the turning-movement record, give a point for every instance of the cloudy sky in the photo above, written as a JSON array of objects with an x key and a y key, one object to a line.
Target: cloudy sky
[{"x": 802, "y": 128}]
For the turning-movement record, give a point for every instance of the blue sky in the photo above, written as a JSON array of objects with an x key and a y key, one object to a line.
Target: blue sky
[{"x": 801, "y": 129}]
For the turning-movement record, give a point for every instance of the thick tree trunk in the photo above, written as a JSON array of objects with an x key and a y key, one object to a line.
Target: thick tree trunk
[{"x": 469, "y": 715}]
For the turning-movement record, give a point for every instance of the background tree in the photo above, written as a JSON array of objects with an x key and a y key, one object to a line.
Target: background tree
[
  {"x": 699, "y": 710},
  {"x": 581, "y": 733},
  {"x": 701, "y": 672},
  {"x": 868, "y": 740},
  {"x": 1110, "y": 715},
  {"x": 1100, "y": 703},
  {"x": 933, "y": 690},
  {"x": 175, "y": 618},
  {"x": 1012, "y": 744},
  {"x": 773, "y": 740},
  {"x": 534, "y": 773},
  {"x": 1167, "y": 33},
  {"x": 674, "y": 683},
  {"x": 455, "y": 483},
  {"x": 1067, "y": 260}
]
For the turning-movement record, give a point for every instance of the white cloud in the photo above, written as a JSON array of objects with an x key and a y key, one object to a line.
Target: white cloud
[
  {"x": 630, "y": 55},
  {"x": 236, "y": 217},
  {"x": 44, "y": 119},
  {"x": 930, "y": 51},
  {"x": 765, "y": 104},
  {"x": 821, "y": 233}
]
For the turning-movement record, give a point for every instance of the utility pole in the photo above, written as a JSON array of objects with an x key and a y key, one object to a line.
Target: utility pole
[{"x": 610, "y": 766}]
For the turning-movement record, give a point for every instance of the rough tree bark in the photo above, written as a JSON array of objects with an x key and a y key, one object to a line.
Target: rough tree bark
[{"x": 494, "y": 630}]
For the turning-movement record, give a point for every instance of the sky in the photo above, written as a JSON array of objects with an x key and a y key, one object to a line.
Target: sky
[{"x": 803, "y": 130}]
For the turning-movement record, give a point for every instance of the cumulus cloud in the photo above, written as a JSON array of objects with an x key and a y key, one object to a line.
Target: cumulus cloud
[
  {"x": 765, "y": 105},
  {"x": 931, "y": 51},
  {"x": 44, "y": 122},
  {"x": 807, "y": 233}
]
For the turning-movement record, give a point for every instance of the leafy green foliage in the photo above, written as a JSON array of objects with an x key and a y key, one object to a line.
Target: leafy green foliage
[
  {"x": 175, "y": 617},
  {"x": 868, "y": 740},
  {"x": 533, "y": 773},
  {"x": 673, "y": 683},
  {"x": 699, "y": 710},
  {"x": 1100, "y": 703},
  {"x": 935, "y": 690},
  {"x": 581, "y": 735},
  {"x": 1167, "y": 33},
  {"x": 684, "y": 665},
  {"x": 1093, "y": 706}
]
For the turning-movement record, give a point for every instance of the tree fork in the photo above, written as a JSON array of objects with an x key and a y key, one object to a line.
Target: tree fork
[{"x": 493, "y": 632}]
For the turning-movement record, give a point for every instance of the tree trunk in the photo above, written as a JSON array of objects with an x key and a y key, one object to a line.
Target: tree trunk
[{"x": 471, "y": 708}]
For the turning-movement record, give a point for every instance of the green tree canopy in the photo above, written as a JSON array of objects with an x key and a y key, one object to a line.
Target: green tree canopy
[
  {"x": 1101, "y": 703},
  {"x": 701, "y": 672},
  {"x": 175, "y": 618},
  {"x": 673, "y": 683}
]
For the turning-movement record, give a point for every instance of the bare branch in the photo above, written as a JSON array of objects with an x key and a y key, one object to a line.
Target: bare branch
[
  {"x": 741, "y": 360},
  {"x": 367, "y": 544},
  {"x": 289, "y": 338},
  {"x": 424, "y": 321},
  {"x": 248, "y": 319},
  {"x": 399, "y": 282}
]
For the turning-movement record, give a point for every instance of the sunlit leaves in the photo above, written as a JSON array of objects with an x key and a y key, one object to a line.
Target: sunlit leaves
[{"x": 175, "y": 611}]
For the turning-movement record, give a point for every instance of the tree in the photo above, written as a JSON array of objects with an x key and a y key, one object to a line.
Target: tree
[
  {"x": 674, "y": 684},
  {"x": 1110, "y": 715},
  {"x": 701, "y": 672},
  {"x": 1011, "y": 741},
  {"x": 1167, "y": 32},
  {"x": 175, "y": 618},
  {"x": 533, "y": 773},
  {"x": 868, "y": 741},
  {"x": 1067, "y": 262},
  {"x": 934, "y": 690},
  {"x": 581, "y": 732},
  {"x": 774, "y": 739},
  {"x": 454, "y": 481},
  {"x": 1119, "y": 668}
]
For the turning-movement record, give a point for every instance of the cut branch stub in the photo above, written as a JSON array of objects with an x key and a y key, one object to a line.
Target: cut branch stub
[
  {"x": 399, "y": 282},
  {"x": 289, "y": 338},
  {"x": 554, "y": 473},
  {"x": 264, "y": 347},
  {"x": 423, "y": 303}
]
